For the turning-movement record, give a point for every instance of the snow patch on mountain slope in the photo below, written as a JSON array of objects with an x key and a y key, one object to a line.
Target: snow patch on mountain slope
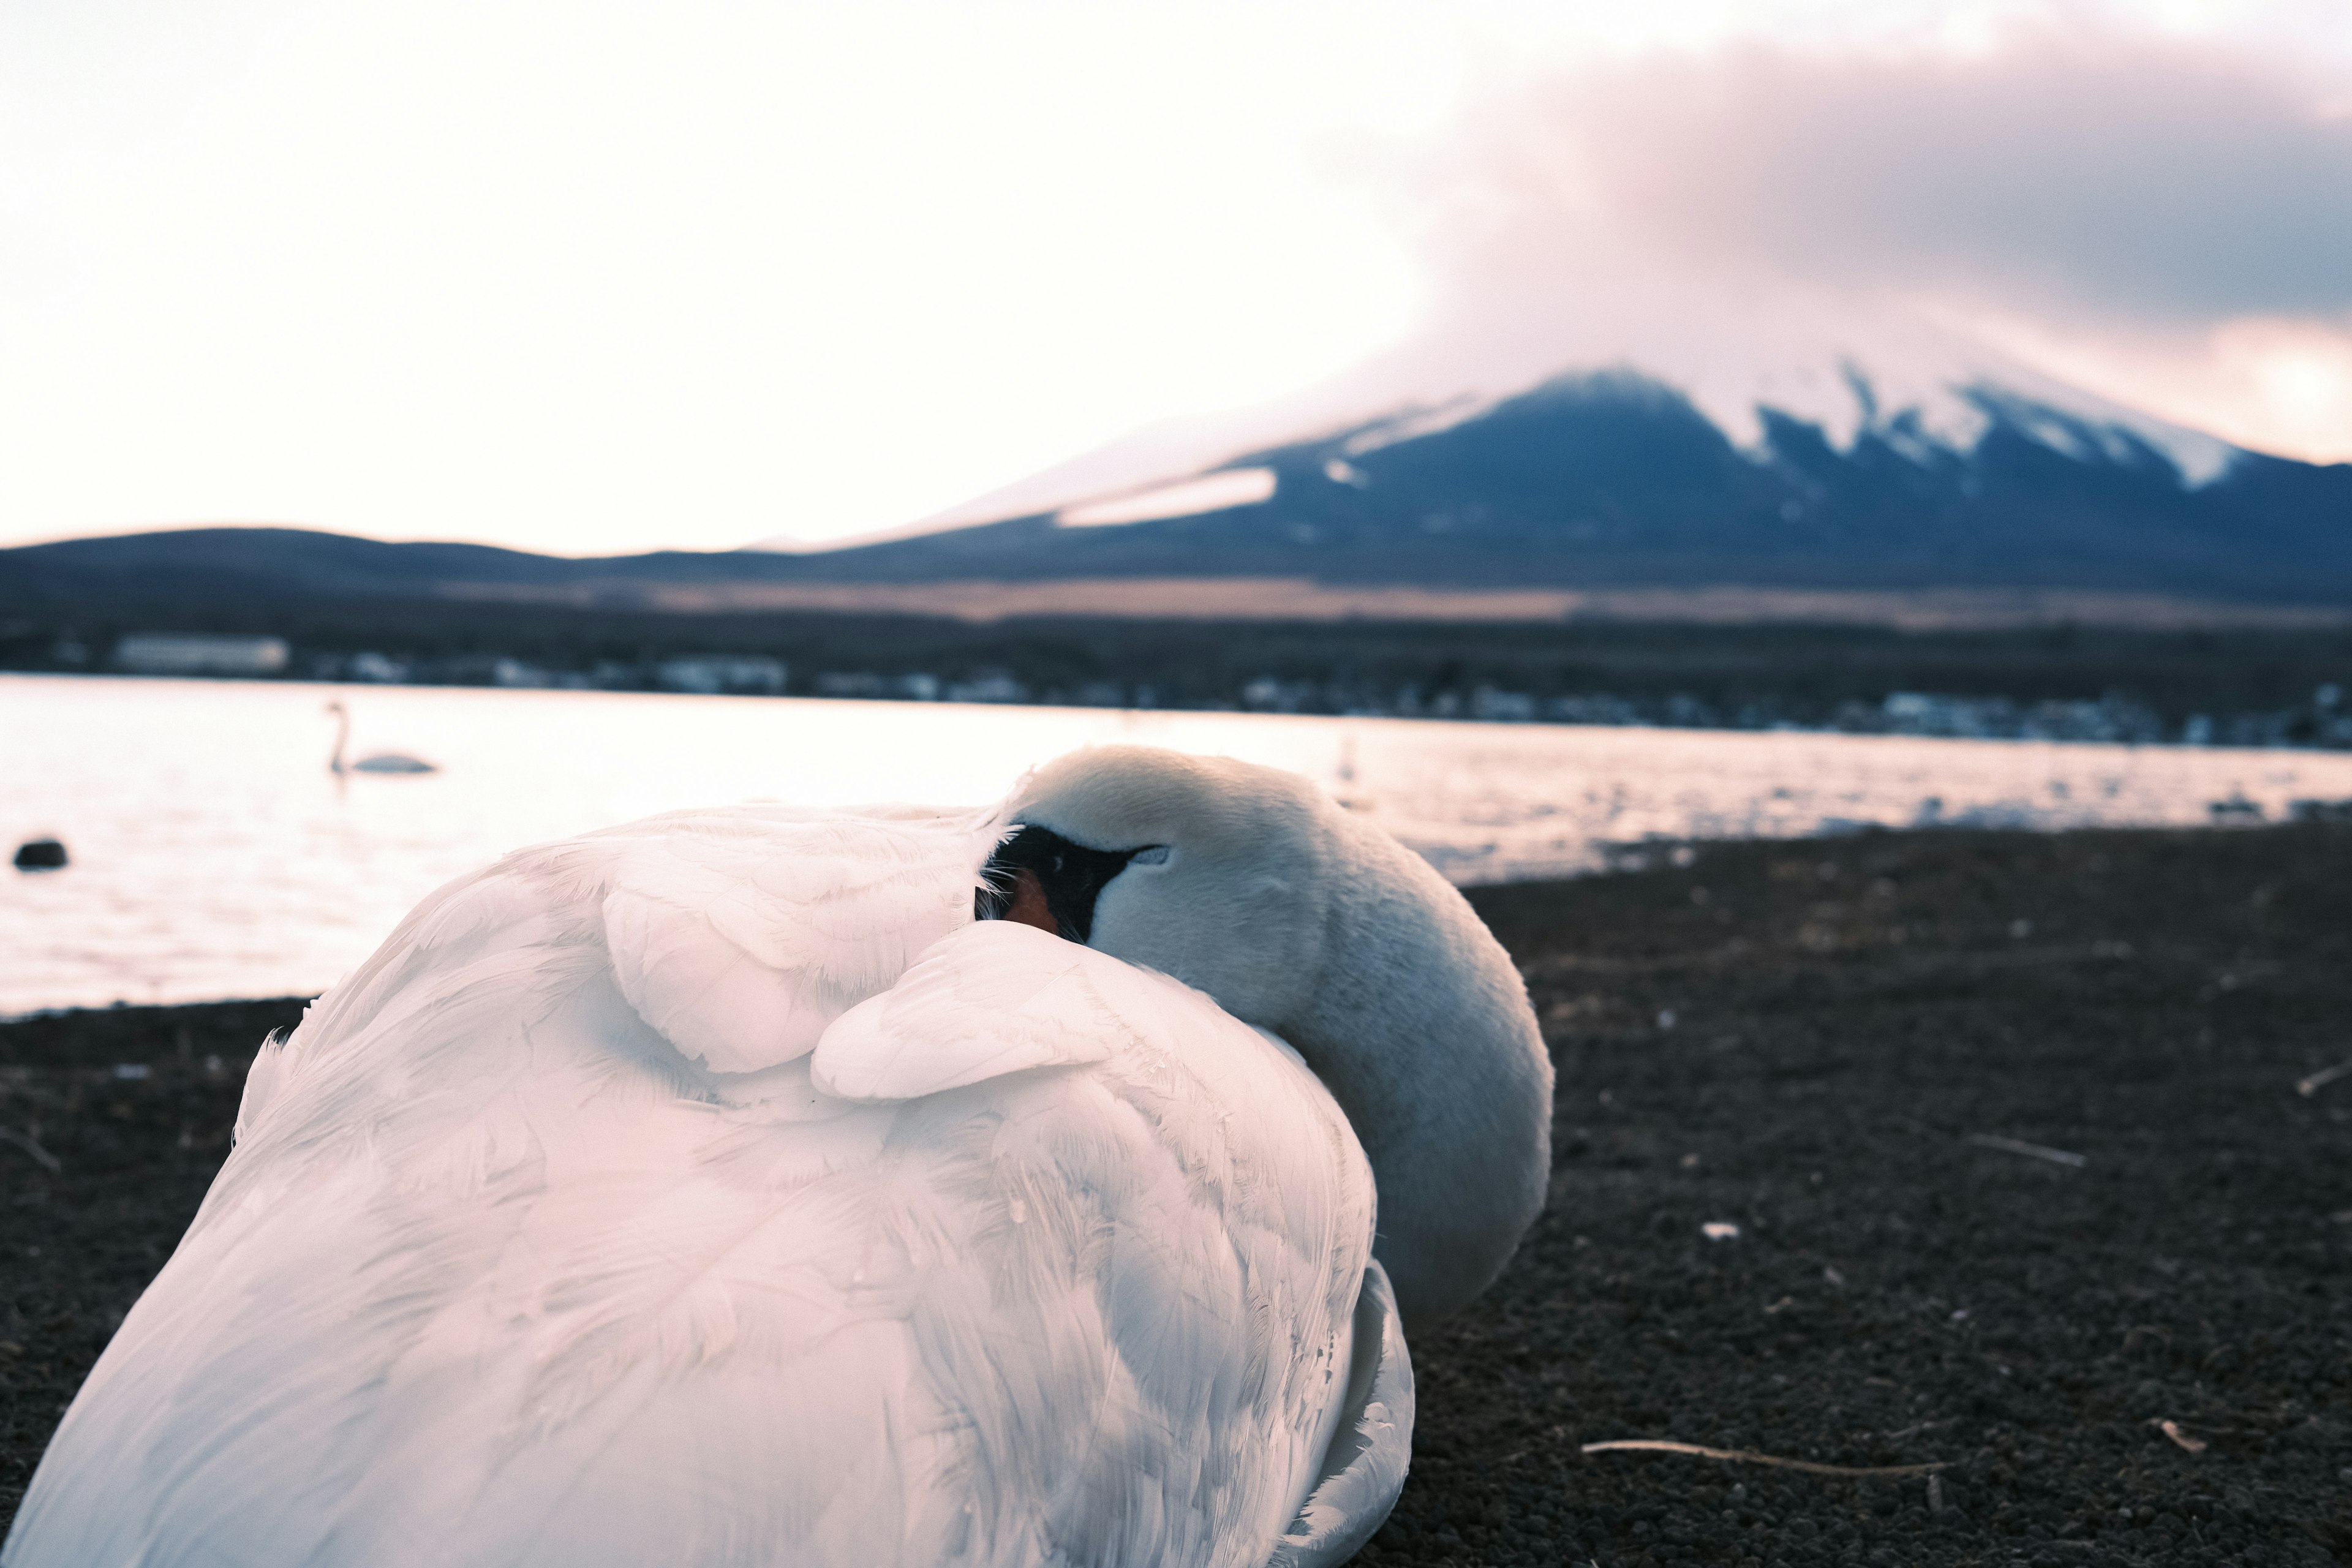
[{"x": 1215, "y": 491}]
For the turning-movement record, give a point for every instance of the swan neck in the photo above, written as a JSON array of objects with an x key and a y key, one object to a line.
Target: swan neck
[{"x": 1419, "y": 1025}]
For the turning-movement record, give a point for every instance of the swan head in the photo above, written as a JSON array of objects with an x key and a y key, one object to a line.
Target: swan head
[{"x": 1252, "y": 885}]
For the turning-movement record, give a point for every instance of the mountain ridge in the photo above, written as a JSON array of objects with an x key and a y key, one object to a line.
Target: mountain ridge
[{"x": 1598, "y": 481}]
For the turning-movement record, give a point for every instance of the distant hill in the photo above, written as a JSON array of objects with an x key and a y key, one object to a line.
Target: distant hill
[
  {"x": 310, "y": 561},
  {"x": 1600, "y": 482}
]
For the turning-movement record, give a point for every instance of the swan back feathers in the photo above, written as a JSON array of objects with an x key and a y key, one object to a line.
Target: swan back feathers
[{"x": 544, "y": 1243}]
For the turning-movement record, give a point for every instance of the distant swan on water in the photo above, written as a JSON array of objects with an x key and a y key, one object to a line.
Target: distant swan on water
[
  {"x": 1043, "y": 1186},
  {"x": 376, "y": 762}
]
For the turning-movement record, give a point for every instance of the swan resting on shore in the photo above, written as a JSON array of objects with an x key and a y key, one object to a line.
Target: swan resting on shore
[{"x": 720, "y": 1190}]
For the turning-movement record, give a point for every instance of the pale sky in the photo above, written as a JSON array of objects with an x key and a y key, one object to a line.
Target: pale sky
[{"x": 596, "y": 278}]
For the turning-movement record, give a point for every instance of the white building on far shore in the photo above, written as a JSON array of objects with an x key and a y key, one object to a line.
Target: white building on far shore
[
  {"x": 745, "y": 674},
  {"x": 177, "y": 653}
]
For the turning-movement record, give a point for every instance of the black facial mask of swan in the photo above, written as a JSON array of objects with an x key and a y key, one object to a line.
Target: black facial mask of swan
[{"x": 1041, "y": 878}]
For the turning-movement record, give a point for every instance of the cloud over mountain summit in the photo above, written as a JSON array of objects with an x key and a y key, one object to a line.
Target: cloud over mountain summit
[
  {"x": 2168, "y": 223},
  {"x": 2071, "y": 172}
]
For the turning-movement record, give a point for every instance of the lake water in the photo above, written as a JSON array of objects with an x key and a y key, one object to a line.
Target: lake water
[{"x": 214, "y": 854}]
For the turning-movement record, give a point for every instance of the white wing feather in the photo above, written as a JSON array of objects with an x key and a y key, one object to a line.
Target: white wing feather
[
  {"x": 993, "y": 998},
  {"x": 498, "y": 1274},
  {"x": 741, "y": 938}
]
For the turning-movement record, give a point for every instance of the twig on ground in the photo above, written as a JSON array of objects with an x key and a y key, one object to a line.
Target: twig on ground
[
  {"x": 1747, "y": 1456},
  {"x": 2308, "y": 1087},
  {"x": 2186, "y": 1444},
  {"x": 32, "y": 1146},
  {"x": 2036, "y": 1151}
]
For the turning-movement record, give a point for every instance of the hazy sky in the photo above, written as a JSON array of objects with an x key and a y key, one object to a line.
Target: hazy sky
[{"x": 593, "y": 277}]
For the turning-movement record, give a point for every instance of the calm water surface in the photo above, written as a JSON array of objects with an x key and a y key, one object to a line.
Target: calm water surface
[{"x": 214, "y": 854}]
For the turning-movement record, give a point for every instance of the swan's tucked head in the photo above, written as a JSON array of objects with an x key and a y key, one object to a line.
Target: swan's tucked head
[{"x": 1250, "y": 884}]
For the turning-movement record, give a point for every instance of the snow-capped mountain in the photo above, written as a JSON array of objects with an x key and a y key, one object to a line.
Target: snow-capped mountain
[
  {"x": 1850, "y": 370},
  {"x": 1680, "y": 466},
  {"x": 1919, "y": 471}
]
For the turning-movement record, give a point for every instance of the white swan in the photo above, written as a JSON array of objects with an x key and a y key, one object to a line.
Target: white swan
[
  {"x": 717, "y": 1190},
  {"x": 374, "y": 763}
]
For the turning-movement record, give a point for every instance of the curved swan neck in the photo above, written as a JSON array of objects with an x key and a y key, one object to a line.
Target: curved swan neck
[
  {"x": 1419, "y": 1025},
  {"x": 1303, "y": 919}
]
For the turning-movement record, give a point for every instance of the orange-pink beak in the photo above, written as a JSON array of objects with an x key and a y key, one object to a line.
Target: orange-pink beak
[{"x": 1028, "y": 904}]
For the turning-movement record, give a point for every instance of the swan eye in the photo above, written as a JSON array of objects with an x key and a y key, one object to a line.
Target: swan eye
[{"x": 1150, "y": 854}]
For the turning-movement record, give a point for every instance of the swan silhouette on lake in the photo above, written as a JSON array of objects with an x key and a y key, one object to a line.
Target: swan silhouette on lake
[
  {"x": 375, "y": 762},
  {"x": 1045, "y": 1185}
]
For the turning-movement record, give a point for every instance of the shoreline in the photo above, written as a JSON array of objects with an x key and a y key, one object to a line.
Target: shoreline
[{"x": 2108, "y": 721}]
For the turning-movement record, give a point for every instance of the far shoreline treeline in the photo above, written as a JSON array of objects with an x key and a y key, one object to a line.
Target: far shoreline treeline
[{"x": 2248, "y": 687}]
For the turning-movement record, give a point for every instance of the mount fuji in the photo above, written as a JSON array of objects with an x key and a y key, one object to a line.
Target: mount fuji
[{"x": 1678, "y": 465}]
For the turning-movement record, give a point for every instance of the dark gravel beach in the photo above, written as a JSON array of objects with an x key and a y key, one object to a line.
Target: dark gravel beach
[{"x": 2008, "y": 1128}]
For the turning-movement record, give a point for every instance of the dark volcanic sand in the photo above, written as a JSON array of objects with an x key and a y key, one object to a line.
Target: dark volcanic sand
[{"x": 1847, "y": 1014}]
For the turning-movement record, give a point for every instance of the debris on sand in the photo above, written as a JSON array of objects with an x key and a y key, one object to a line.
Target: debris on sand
[
  {"x": 2308, "y": 1087},
  {"x": 32, "y": 1145},
  {"x": 2032, "y": 1151},
  {"x": 1746, "y": 1456},
  {"x": 2186, "y": 1444}
]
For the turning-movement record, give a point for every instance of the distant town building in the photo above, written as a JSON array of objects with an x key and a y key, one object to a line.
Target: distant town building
[
  {"x": 1592, "y": 708},
  {"x": 515, "y": 672},
  {"x": 710, "y": 675},
  {"x": 1928, "y": 713},
  {"x": 376, "y": 666},
  {"x": 864, "y": 685},
  {"x": 1497, "y": 707},
  {"x": 988, "y": 686},
  {"x": 174, "y": 653}
]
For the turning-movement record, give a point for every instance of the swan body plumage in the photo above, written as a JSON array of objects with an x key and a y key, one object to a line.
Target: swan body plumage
[
  {"x": 391, "y": 762},
  {"x": 717, "y": 1190}
]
